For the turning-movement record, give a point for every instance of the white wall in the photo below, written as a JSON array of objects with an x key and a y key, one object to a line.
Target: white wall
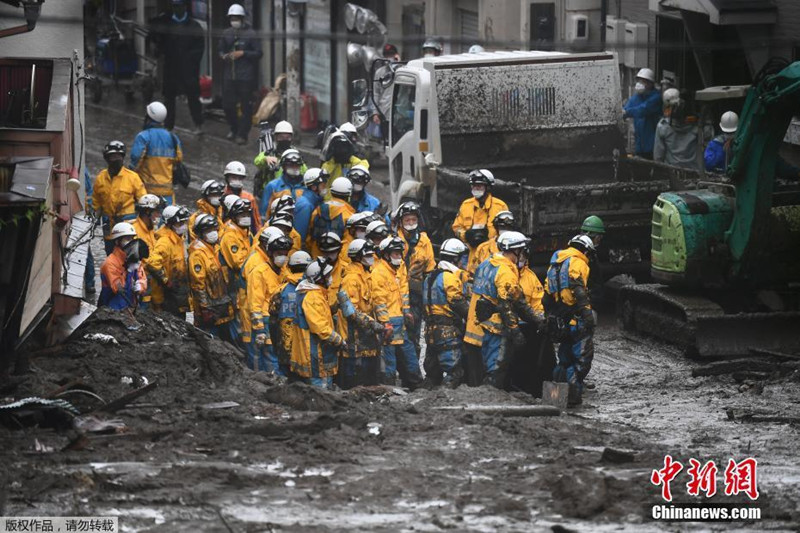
[{"x": 58, "y": 32}]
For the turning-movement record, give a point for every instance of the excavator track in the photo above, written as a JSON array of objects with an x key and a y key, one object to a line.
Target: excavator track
[{"x": 701, "y": 327}]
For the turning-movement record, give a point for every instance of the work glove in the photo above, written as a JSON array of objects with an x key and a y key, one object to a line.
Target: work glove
[
  {"x": 588, "y": 321},
  {"x": 388, "y": 332},
  {"x": 408, "y": 318},
  {"x": 377, "y": 327},
  {"x": 207, "y": 317},
  {"x": 475, "y": 236},
  {"x": 261, "y": 339},
  {"x": 138, "y": 287}
]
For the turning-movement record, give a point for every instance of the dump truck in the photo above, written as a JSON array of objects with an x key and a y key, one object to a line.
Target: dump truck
[{"x": 548, "y": 125}]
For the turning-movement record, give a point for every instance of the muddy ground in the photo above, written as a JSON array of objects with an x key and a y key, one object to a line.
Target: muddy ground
[{"x": 292, "y": 458}]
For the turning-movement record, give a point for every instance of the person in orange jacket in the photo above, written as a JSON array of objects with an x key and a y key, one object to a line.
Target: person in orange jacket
[{"x": 122, "y": 276}]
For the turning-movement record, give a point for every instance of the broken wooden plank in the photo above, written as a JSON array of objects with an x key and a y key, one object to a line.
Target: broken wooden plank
[
  {"x": 122, "y": 401},
  {"x": 772, "y": 353},
  {"x": 504, "y": 410}
]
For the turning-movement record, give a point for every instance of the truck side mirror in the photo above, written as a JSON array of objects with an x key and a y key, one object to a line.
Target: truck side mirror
[
  {"x": 359, "y": 88},
  {"x": 359, "y": 118}
]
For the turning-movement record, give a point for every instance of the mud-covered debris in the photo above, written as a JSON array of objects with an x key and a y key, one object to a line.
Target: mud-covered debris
[
  {"x": 505, "y": 410},
  {"x": 93, "y": 424},
  {"x": 374, "y": 428},
  {"x": 29, "y": 412},
  {"x": 220, "y": 405},
  {"x": 101, "y": 338},
  {"x": 617, "y": 456},
  {"x": 304, "y": 397}
]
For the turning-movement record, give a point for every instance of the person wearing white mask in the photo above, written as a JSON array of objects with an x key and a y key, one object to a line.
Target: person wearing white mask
[
  {"x": 210, "y": 203},
  {"x": 148, "y": 211},
  {"x": 644, "y": 107},
  {"x": 502, "y": 222},
  {"x": 240, "y": 49},
  {"x": 474, "y": 221},
  {"x": 235, "y": 174},
  {"x": 211, "y": 303},
  {"x": 167, "y": 265},
  {"x": 360, "y": 199},
  {"x": 315, "y": 183},
  {"x": 123, "y": 280}
]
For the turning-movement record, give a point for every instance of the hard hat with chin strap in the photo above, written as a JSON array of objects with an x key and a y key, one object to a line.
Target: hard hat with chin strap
[
  {"x": 235, "y": 168},
  {"x": 284, "y": 127},
  {"x": 157, "y": 112},
  {"x": 236, "y": 10},
  {"x": 729, "y": 122}
]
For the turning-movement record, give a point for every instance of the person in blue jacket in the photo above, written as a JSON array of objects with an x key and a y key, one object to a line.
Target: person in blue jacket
[
  {"x": 644, "y": 107},
  {"x": 315, "y": 181},
  {"x": 360, "y": 199},
  {"x": 718, "y": 152}
]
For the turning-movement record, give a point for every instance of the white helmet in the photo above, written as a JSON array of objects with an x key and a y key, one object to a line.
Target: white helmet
[
  {"x": 148, "y": 201},
  {"x": 268, "y": 235},
  {"x": 453, "y": 248},
  {"x": 318, "y": 270},
  {"x": 282, "y": 204},
  {"x": 729, "y": 122},
  {"x": 342, "y": 187},
  {"x": 236, "y": 10},
  {"x": 314, "y": 176},
  {"x": 283, "y": 127},
  {"x": 357, "y": 217},
  {"x": 376, "y": 225},
  {"x": 512, "y": 240},
  {"x": 236, "y": 168},
  {"x": 229, "y": 200},
  {"x": 476, "y": 49},
  {"x": 157, "y": 111},
  {"x": 360, "y": 247},
  {"x": 481, "y": 176},
  {"x": 582, "y": 241},
  {"x": 299, "y": 259},
  {"x": 347, "y": 127},
  {"x": 671, "y": 97},
  {"x": 212, "y": 187},
  {"x": 646, "y": 74},
  {"x": 122, "y": 229}
]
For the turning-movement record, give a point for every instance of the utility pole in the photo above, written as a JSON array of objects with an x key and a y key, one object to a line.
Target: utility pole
[{"x": 293, "y": 61}]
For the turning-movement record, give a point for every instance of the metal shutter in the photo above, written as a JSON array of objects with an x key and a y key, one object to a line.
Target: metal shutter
[{"x": 469, "y": 28}]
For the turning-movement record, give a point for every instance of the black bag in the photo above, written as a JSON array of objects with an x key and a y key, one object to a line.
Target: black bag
[
  {"x": 180, "y": 173},
  {"x": 484, "y": 309}
]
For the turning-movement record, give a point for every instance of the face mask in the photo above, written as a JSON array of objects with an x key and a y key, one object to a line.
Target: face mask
[
  {"x": 323, "y": 191},
  {"x": 360, "y": 234},
  {"x": 133, "y": 267},
  {"x": 639, "y": 87},
  {"x": 181, "y": 230},
  {"x": 282, "y": 146},
  {"x": 114, "y": 168},
  {"x": 244, "y": 221},
  {"x": 293, "y": 171},
  {"x": 236, "y": 185},
  {"x": 396, "y": 261},
  {"x": 332, "y": 257},
  {"x": 478, "y": 193},
  {"x": 410, "y": 227},
  {"x": 368, "y": 260},
  {"x": 212, "y": 237},
  {"x": 214, "y": 200},
  {"x": 156, "y": 221},
  {"x": 428, "y": 54},
  {"x": 280, "y": 260},
  {"x": 357, "y": 187},
  {"x": 236, "y": 24}
]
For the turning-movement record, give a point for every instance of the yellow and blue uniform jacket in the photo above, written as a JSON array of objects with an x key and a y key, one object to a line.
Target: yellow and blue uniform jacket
[
  {"x": 357, "y": 284},
  {"x": 390, "y": 296},
  {"x": 484, "y": 251},
  {"x": 234, "y": 247},
  {"x": 153, "y": 154},
  {"x": 277, "y": 188},
  {"x": 497, "y": 280},
  {"x": 262, "y": 283},
  {"x": 283, "y": 308},
  {"x": 208, "y": 283},
  {"x": 328, "y": 216},
  {"x": 115, "y": 198},
  {"x": 568, "y": 268},
  {"x": 167, "y": 266},
  {"x": 314, "y": 339},
  {"x": 255, "y": 258}
]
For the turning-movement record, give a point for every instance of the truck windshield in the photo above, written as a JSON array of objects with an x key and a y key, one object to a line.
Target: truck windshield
[{"x": 402, "y": 110}]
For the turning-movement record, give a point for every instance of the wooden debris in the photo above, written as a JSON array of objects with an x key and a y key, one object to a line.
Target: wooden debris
[
  {"x": 718, "y": 368},
  {"x": 505, "y": 410},
  {"x": 122, "y": 401}
]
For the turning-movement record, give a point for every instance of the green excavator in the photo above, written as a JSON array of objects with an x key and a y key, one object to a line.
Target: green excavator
[{"x": 726, "y": 257}]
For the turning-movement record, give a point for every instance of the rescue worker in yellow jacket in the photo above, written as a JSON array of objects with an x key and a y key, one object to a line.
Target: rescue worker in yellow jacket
[
  {"x": 376, "y": 231},
  {"x": 419, "y": 260},
  {"x": 497, "y": 288},
  {"x": 148, "y": 210},
  {"x": 234, "y": 247},
  {"x": 331, "y": 215},
  {"x": 210, "y": 203},
  {"x": 116, "y": 191},
  {"x": 155, "y": 152},
  {"x": 355, "y": 228},
  {"x": 390, "y": 295},
  {"x": 502, "y": 222},
  {"x": 282, "y": 307},
  {"x": 315, "y": 342},
  {"x": 167, "y": 265},
  {"x": 262, "y": 283},
  {"x": 446, "y": 309},
  {"x": 571, "y": 320},
  {"x": 283, "y": 221},
  {"x": 339, "y": 155},
  {"x": 211, "y": 303},
  {"x": 257, "y": 257},
  {"x": 473, "y": 223},
  {"x": 360, "y": 364}
]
